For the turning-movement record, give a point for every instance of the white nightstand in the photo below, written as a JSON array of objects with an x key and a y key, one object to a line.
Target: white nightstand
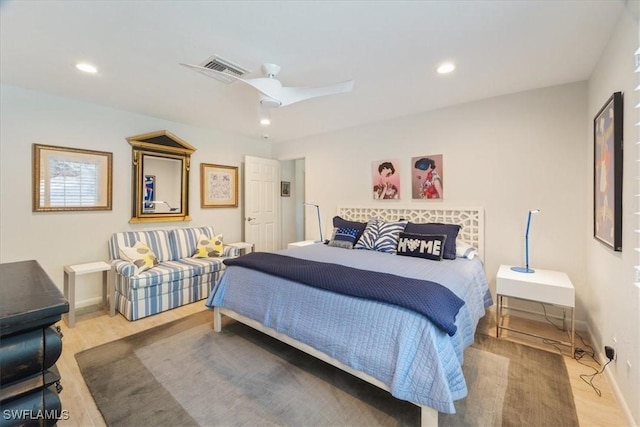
[
  {"x": 243, "y": 246},
  {"x": 301, "y": 244},
  {"x": 108, "y": 287},
  {"x": 543, "y": 286}
]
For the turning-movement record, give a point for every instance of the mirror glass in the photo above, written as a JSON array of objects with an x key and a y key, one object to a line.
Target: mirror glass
[{"x": 162, "y": 184}]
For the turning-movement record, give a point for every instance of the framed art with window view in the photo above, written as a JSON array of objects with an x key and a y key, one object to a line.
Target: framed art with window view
[
  {"x": 607, "y": 173},
  {"x": 71, "y": 179}
]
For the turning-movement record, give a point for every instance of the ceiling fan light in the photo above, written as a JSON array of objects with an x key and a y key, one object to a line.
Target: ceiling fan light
[{"x": 267, "y": 102}]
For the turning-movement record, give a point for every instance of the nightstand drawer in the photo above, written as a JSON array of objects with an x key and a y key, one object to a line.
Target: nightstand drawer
[{"x": 552, "y": 287}]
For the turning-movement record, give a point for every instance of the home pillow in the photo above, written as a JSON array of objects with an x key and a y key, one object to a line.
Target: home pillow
[
  {"x": 209, "y": 247},
  {"x": 381, "y": 236},
  {"x": 449, "y": 230},
  {"x": 465, "y": 250},
  {"x": 428, "y": 246},
  {"x": 140, "y": 255},
  {"x": 344, "y": 237}
]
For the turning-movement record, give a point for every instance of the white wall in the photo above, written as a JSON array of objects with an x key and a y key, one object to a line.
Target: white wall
[
  {"x": 57, "y": 239},
  {"x": 507, "y": 154},
  {"x": 612, "y": 300}
]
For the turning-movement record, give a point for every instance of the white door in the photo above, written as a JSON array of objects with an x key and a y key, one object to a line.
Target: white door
[{"x": 262, "y": 203}]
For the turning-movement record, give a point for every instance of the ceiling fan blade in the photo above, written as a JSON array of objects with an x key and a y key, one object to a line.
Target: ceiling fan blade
[
  {"x": 289, "y": 95},
  {"x": 273, "y": 89}
]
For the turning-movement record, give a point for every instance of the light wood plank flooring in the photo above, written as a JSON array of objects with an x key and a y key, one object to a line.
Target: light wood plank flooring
[{"x": 98, "y": 328}]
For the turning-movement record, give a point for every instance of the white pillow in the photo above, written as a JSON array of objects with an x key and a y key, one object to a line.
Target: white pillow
[
  {"x": 209, "y": 247},
  {"x": 465, "y": 250},
  {"x": 140, "y": 255}
]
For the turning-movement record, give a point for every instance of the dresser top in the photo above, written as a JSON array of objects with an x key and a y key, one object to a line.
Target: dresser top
[{"x": 28, "y": 298}]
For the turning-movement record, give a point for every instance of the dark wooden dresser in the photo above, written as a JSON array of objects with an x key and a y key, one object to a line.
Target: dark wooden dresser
[{"x": 30, "y": 345}]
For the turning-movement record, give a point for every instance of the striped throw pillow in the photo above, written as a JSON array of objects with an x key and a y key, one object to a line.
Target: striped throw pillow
[{"x": 381, "y": 236}]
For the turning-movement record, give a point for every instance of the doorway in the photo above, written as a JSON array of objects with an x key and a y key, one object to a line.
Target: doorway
[{"x": 291, "y": 205}]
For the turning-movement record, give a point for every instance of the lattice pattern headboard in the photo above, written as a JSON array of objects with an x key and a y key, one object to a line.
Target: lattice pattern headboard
[{"x": 471, "y": 220}]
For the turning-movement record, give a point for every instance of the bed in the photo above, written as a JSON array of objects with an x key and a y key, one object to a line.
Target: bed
[{"x": 413, "y": 356}]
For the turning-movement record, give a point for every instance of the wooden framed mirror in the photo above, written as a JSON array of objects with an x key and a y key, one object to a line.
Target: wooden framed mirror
[{"x": 160, "y": 178}]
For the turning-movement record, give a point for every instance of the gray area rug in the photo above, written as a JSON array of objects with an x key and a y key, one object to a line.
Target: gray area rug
[{"x": 184, "y": 374}]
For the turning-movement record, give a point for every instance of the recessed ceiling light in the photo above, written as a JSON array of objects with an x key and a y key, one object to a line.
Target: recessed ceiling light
[
  {"x": 265, "y": 121},
  {"x": 446, "y": 68},
  {"x": 87, "y": 68}
]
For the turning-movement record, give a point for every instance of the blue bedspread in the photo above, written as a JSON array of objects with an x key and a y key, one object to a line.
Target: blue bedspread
[
  {"x": 403, "y": 349},
  {"x": 428, "y": 298}
]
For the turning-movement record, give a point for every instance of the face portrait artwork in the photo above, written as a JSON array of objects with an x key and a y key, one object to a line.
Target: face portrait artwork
[
  {"x": 386, "y": 179},
  {"x": 426, "y": 177}
]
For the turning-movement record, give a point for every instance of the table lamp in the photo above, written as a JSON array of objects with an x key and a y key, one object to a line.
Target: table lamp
[
  {"x": 526, "y": 268},
  {"x": 319, "y": 224}
]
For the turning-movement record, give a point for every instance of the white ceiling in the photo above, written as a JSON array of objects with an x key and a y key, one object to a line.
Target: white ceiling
[{"x": 390, "y": 49}]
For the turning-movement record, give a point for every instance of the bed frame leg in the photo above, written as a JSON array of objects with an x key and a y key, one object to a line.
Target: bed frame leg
[
  {"x": 217, "y": 319},
  {"x": 428, "y": 417}
]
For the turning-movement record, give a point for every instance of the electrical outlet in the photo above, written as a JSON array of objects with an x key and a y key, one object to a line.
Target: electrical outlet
[{"x": 609, "y": 352}]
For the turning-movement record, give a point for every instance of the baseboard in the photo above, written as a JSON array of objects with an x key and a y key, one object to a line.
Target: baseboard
[
  {"x": 612, "y": 381},
  {"x": 88, "y": 305},
  {"x": 582, "y": 327}
]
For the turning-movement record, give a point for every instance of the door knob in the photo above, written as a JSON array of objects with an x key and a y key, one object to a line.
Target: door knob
[{"x": 250, "y": 219}]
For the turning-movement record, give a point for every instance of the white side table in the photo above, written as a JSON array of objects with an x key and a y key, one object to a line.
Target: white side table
[
  {"x": 543, "y": 286},
  {"x": 243, "y": 246},
  {"x": 108, "y": 288},
  {"x": 301, "y": 244}
]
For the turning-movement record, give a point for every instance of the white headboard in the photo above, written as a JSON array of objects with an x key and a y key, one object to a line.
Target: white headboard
[{"x": 471, "y": 220}]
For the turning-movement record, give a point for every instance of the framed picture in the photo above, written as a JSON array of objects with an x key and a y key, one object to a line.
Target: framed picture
[
  {"x": 218, "y": 186},
  {"x": 385, "y": 176},
  {"x": 426, "y": 177},
  {"x": 285, "y": 188},
  {"x": 149, "y": 192},
  {"x": 607, "y": 173},
  {"x": 71, "y": 179}
]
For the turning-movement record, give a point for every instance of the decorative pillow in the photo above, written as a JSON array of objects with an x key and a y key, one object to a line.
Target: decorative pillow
[
  {"x": 140, "y": 255},
  {"x": 344, "y": 237},
  {"x": 428, "y": 246},
  {"x": 356, "y": 225},
  {"x": 209, "y": 247},
  {"x": 381, "y": 236},
  {"x": 465, "y": 250},
  {"x": 449, "y": 230}
]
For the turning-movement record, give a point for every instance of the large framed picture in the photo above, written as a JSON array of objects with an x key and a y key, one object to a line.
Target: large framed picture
[
  {"x": 607, "y": 173},
  {"x": 385, "y": 176},
  {"x": 218, "y": 186},
  {"x": 71, "y": 179}
]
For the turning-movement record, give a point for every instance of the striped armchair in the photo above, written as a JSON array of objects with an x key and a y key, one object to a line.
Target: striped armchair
[{"x": 175, "y": 280}]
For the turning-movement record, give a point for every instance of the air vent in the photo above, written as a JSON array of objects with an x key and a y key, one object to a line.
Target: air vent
[{"x": 224, "y": 66}]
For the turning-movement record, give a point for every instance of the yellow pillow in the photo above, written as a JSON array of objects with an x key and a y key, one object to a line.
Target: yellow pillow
[
  {"x": 140, "y": 255},
  {"x": 209, "y": 247}
]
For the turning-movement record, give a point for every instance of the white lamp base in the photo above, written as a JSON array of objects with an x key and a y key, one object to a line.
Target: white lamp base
[{"x": 523, "y": 269}]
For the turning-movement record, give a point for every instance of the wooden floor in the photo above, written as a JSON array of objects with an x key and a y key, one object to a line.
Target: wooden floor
[{"x": 98, "y": 328}]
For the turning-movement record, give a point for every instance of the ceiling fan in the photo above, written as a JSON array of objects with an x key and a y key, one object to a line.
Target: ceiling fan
[{"x": 272, "y": 93}]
